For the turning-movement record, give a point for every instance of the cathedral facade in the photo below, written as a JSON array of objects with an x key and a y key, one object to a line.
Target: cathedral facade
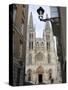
[{"x": 42, "y": 65}]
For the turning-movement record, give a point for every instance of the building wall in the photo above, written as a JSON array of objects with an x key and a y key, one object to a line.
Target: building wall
[
  {"x": 62, "y": 12},
  {"x": 59, "y": 30},
  {"x": 63, "y": 30},
  {"x": 19, "y": 44}
]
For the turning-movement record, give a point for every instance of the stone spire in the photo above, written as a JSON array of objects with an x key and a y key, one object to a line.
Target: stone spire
[
  {"x": 47, "y": 25},
  {"x": 31, "y": 21}
]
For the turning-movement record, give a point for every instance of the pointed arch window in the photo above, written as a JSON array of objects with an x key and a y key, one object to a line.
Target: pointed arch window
[
  {"x": 48, "y": 45},
  {"x": 31, "y": 36},
  {"x": 30, "y": 45},
  {"x": 48, "y": 36},
  {"x": 30, "y": 59},
  {"x": 48, "y": 58}
]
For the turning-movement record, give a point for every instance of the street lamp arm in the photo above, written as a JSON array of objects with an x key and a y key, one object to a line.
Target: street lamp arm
[
  {"x": 49, "y": 19},
  {"x": 44, "y": 19}
]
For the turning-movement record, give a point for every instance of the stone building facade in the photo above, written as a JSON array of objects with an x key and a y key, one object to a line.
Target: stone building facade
[
  {"x": 42, "y": 65},
  {"x": 19, "y": 15},
  {"x": 62, "y": 12},
  {"x": 59, "y": 29}
]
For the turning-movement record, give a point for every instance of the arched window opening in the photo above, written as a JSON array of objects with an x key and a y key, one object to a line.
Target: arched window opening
[{"x": 30, "y": 59}]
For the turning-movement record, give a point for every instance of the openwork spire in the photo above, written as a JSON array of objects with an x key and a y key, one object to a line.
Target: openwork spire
[
  {"x": 47, "y": 24},
  {"x": 31, "y": 21}
]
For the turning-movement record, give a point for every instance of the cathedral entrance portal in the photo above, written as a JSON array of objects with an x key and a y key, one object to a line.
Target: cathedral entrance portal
[
  {"x": 40, "y": 72},
  {"x": 40, "y": 80}
]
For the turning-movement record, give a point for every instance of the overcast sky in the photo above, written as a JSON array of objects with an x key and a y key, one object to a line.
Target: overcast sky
[{"x": 39, "y": 25}]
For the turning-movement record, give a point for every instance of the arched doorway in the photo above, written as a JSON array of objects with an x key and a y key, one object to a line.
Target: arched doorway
[
  {"x": 40, "y": 78},
  {"x": 40, "y": 72}
]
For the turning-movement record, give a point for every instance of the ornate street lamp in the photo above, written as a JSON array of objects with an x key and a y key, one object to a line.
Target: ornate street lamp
[{"x": 40, "y": 12}]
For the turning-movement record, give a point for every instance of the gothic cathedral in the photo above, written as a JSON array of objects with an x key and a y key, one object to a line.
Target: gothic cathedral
[{"x": 42, "y": 65}]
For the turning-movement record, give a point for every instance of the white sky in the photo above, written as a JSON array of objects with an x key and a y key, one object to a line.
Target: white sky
[{"x": 39, "y": 25}]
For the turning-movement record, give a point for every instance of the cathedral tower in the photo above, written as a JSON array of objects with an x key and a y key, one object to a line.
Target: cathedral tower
[
  {"x": 50, "y": 44},
  {"x": 30, "y": 41}
]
